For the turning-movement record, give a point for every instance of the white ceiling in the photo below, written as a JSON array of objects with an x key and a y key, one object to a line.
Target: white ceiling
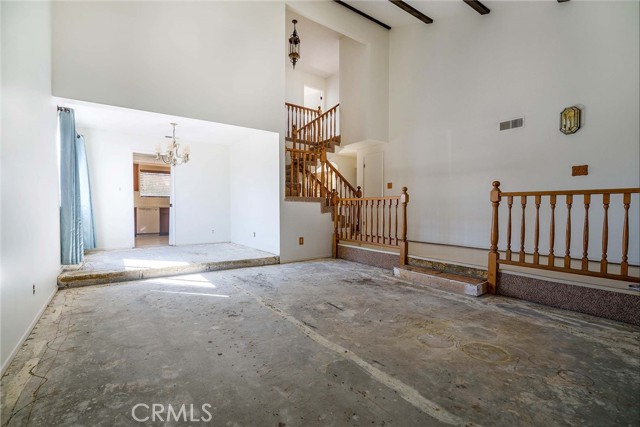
[
  {"x": 136, "y": 122},
  {"x": 319, "y": 46},
  {"x": 392, "y": 15}
]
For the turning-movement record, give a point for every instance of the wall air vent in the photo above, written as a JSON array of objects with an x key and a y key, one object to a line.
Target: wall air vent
[{"x": 512, "y": 124}]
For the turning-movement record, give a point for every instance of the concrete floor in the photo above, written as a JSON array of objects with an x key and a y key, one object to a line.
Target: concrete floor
[{"x": 325, "y": 343}]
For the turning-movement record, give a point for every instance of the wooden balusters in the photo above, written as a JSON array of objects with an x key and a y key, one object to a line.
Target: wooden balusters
[
  {"x": 606, "y": 199},
  {"x": 585, "y": 233},
  {"x": 535, "y": 261},
  {"x": 552, "y": 230},
  {"x": 509, "y": 205},
  {"x": 523, "y": 202},
  {"x": 567, "y": 253},
  {"x": 624, "y": 264},
  {"x": 536, "y": 237},
  {"x": 298, "y": 116},
  {"x": 380, "y": 221}
]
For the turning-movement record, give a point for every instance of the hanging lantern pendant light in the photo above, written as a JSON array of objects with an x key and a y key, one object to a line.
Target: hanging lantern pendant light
[{"x": 294, "y": 45}]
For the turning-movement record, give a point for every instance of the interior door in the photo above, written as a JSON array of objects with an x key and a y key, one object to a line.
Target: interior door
[{"x": 372, "y": 171}]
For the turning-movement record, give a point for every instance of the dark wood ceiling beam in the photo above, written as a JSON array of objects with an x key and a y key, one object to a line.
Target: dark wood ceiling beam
[
  {"x": 479, "y": 7},
  {"x": 412, "y": 11},
  {"x": 361, "y": 13}
]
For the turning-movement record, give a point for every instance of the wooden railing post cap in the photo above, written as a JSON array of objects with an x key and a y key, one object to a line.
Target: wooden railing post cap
[
  {"x": 404, "y": 198},
  {"x": 495, "y": 192},
  {"x": 359, "y": 191}
]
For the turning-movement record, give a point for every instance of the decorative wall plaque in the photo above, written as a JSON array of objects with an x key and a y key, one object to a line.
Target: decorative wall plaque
[{"x": 570, "y": 120}]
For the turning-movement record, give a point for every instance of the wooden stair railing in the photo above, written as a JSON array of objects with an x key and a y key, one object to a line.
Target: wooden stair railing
[
  {"x": 297, "y": 117},
  {"x": 520, "y": 257},
  {"x": 321, "y": 131},
  {"x": 377, "y": 221},
  {"x": 301, "y": 177},
  {"x": 309, "y": 173},
  {"x": 332, "y": 179}
]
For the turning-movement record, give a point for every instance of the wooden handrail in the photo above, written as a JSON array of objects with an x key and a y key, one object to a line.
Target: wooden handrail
[
  {"x": 533, "y": 260},
  {"x": 570, "y": 192},
  {"x": 377, "y": 221},
  {"x": 300, "y": 107},
  {"x": 349, "y": 190},
  {"x": 321, "y": 131},
  {"x": 322, "y": 116}
]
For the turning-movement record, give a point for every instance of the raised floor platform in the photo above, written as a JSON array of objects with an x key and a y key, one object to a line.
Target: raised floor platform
[
  {"x": 144, "y": 263},
  {"x": 440, "y": 280}
]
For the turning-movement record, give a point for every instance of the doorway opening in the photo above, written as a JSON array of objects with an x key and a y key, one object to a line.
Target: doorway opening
[
  {"x": 313, "y": 98},
  {"x": 152, "y": 201},
  {"x": 372, "y": 165}
]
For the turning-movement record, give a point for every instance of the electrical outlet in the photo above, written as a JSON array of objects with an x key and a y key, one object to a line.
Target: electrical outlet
[
  {"x": 301, "y": 240},
  {"x": 389, "y": 185},
  {"x": 34, "y": 288}
]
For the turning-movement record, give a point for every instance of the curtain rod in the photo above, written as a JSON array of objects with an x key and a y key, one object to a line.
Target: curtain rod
[{"x": 65, "y": 109}]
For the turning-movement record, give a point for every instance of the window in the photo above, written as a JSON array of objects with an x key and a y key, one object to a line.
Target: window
[{"x": 154, "y": 184}]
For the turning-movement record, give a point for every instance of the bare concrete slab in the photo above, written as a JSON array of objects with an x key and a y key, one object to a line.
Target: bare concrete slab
[
  {"x": 325, "y": 343},
  {"x": 142, "y": 263}
]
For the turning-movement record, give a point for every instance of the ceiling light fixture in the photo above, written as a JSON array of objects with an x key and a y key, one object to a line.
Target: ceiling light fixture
[
  {"x": 172, "y": 154},
  {"x": 294, "y": 45}
]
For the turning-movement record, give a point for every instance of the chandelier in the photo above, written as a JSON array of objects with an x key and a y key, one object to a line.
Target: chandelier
[
  {"x": 294, "y": 45},
  {"x": 172, "y": 154}
]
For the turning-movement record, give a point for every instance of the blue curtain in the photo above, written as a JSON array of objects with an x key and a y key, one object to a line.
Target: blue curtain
[
  {"x": 76, "y": 216},
  {"x": 86, "y": 206}
]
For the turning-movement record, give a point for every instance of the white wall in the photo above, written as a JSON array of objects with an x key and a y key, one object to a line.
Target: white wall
[
  {"x": 254, "y": 188},
  {"x": 346, "y": 165},
  {"x": 201, "y": 189},
  {"x": 467, "y": 73},
  {"x": 203, "y": 60},
  {"x": 30, "y": 213},
  {"x": 296, "y": 80},
  {"x": 364, "y": 99},
  {"x": 303, "y": 219},
  {"x": 332, "y": 91},
  {"x": 202, "y": 196}
]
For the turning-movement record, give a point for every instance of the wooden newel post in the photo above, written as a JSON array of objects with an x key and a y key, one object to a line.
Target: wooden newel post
[
  {"x": 336, "y": 219},
  {"x": 358, "y": 192},
  {"x": 404, "y": 245},
  {"x": 492, "y": 274}
]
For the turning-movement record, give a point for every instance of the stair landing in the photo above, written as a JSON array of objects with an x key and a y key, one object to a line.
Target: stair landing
[{"x": 444, "y": 281}]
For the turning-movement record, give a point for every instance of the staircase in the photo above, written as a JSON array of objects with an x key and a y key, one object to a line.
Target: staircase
[{"x": 309, "y": 176}]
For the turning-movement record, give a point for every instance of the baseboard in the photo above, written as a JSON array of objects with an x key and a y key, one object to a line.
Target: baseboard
[{"x": 24, "y": 337}]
